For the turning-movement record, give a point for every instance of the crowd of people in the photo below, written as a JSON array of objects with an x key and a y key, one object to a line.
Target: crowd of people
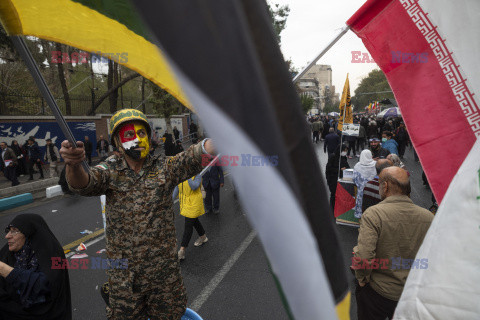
[{"x": 391, "y": 226}]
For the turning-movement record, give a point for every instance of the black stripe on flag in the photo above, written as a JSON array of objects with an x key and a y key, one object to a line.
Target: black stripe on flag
[{"x": 226, "y": 50}]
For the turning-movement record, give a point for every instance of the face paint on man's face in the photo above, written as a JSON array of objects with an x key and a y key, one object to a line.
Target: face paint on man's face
[
  {"x": 142, "y": 136},
  {"x": 134, "y": 140}
]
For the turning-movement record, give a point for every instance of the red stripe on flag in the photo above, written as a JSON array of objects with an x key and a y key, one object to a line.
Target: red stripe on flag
[
  {"x": 344, "y": 201},
  {"x": 436, "y": 104}
]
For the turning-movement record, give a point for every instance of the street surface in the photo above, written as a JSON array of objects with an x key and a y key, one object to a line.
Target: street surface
[{"x": 226, "y": 278}]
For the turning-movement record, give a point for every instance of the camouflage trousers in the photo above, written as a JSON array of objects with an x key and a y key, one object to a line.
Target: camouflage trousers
[{"x": 138, "y": 298}]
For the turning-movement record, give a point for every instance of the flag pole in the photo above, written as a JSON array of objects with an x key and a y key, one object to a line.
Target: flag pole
[
  {"x": 341, "y": 138},
  {"x": 26, "y": 55},
  {"x": 322, "y": 53}
]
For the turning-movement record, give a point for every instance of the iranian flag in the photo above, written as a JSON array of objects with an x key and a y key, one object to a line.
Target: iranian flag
[{"x": 428, "y": 51}]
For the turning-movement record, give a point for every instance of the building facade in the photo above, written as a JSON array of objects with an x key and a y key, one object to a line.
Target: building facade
[{"x": 323, "y": 75}]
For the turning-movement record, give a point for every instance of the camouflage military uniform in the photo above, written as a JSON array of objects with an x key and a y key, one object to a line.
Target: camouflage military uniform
[{"x": 140, "y": 228}]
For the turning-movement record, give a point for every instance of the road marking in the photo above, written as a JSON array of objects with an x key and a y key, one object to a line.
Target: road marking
[
  {"x": 215, "y": 281},
  {"x": 88, "y": 244},
  {"x": 74, "y": 244}
]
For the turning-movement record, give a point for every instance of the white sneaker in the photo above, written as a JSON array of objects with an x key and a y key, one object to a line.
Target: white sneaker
[
  {"x": 200, "y": 241},
  {"x": 181, "y": 254}
]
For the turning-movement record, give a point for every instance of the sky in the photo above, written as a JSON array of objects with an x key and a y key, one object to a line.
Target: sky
[{"x": 311, "y": 25}]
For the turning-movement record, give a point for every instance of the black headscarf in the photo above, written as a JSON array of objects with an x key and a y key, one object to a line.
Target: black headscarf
[{"x": 45, "y": 245}]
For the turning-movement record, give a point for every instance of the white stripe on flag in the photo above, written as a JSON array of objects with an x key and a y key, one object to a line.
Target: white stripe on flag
[
  {"x": 450, "y": 287},
  {"x": 273, "y": 211}
]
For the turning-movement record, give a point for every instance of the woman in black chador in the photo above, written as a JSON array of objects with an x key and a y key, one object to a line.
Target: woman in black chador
[{"x": 29, "y": 287}]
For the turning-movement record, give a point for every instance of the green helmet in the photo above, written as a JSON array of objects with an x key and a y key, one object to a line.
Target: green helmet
[{"x": 126, "y": 115}]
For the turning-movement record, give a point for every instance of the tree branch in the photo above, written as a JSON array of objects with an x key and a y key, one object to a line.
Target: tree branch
[{"x": 110, "y": 91}]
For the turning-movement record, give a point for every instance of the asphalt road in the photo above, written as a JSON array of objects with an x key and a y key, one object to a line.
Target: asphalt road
[{"x": 227, "y": 278}]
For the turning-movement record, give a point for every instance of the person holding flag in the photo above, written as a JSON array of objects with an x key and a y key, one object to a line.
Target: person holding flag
[{"x": 140, "y": 220}]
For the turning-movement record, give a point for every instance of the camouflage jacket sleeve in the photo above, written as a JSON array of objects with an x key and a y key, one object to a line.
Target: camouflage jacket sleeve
[
  {"x": 99, "y": 180},
  {"x": 184, "y": 165}
]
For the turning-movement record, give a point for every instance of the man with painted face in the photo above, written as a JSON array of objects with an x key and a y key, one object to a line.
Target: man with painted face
[{"x": 140, "y": 219}]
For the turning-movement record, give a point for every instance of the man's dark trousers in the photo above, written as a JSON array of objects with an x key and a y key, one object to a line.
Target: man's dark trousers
[
  {"x": 32, "y": 163},
  {"x": 215, "y": 192},
  {"x": 211, "y": 181},
  {"x": 11, "y": 174},
  {"x": 373, "y": 306}
]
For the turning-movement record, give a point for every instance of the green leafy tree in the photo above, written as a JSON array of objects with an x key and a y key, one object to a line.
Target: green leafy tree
[
  {"x": 279, "y": 15},
  {"x": 364, "y": 94},
  {"x": 307, "y": 102}
]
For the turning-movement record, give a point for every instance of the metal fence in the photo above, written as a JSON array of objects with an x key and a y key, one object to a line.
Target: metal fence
[{"x": 12, "y": 104}]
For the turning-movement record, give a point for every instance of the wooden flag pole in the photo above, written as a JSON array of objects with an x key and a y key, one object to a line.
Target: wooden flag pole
[{"x": 26, "y": 55}]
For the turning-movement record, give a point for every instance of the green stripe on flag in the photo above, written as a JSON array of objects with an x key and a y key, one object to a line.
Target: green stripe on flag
[{"x": 118, "y": 10}]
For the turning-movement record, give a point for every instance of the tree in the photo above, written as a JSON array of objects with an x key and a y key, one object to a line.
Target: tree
[
  {"x": 110, "y": 91},
  {"x": 307, "y": 102},
  {"x": 364, "y": 94},
  {"x": 164, "y": 103},
  {"x": 63, "y": 84},
  {"x": 279, "y": 15}
]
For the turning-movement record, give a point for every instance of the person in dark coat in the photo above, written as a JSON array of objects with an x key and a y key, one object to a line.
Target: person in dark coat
[
  {"x": 212, "y": 181},
  {"x": 178, "y": 147},
  {"x": 8, "y": 163},
  {"x": 193, "y": 132},
  {"x": 102, "y": 147},
  {"x": 336, "y": 161},
  {"x": 168, "y": 144},
  {"x": 332, "y": 140},
  {"x": 34, "y": 158},
  {"x": 88, "y": 149},
  {"x": 352, "y": 141},
  {"x": 401, "y": 136},
  {"x": 19, "y": 152},
  {"x": 33, "y": 284},
  {"x": 176, "y": 133},
  {"x": 326, "y": 128}
]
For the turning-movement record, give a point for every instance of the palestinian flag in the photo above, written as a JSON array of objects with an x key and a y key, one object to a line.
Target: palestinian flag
[
  {"x": 228, "y": 63},
  {"x": 345, "y": 204},
  {"x": 111, "y": 29},
  {"x": 428, "y": 51},
  {"x": 222, "y": 57}
]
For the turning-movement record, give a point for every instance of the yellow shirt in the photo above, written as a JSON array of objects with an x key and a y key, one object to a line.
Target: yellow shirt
[{"x": 191, "y": 201}]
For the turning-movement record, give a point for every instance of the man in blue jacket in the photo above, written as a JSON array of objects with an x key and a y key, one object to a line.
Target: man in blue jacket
[
  {"x": 332, "y": 140},
  {"x": 388, "y": 143},
  {"x": 34, "y": 158},
  {"x": 212, "y": 181}
]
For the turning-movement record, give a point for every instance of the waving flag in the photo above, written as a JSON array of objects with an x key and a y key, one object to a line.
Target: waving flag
[
  {"x": 345, "y": 106},
  {"x": 223, "y": 58},
  {"x": 110, "y": 29},
  {"x": 226, "y": 58},
  {"x": 428, "y": 51}
]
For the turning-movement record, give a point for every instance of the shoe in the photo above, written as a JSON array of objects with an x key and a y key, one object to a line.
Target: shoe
[
  {"x": 208, "y": 211},
  {"x": 216, "y": 211},
  {"x": 15, "y": 184},
  {"x": 199, "y": 242},
  {"x": 181, "y": 254}
]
